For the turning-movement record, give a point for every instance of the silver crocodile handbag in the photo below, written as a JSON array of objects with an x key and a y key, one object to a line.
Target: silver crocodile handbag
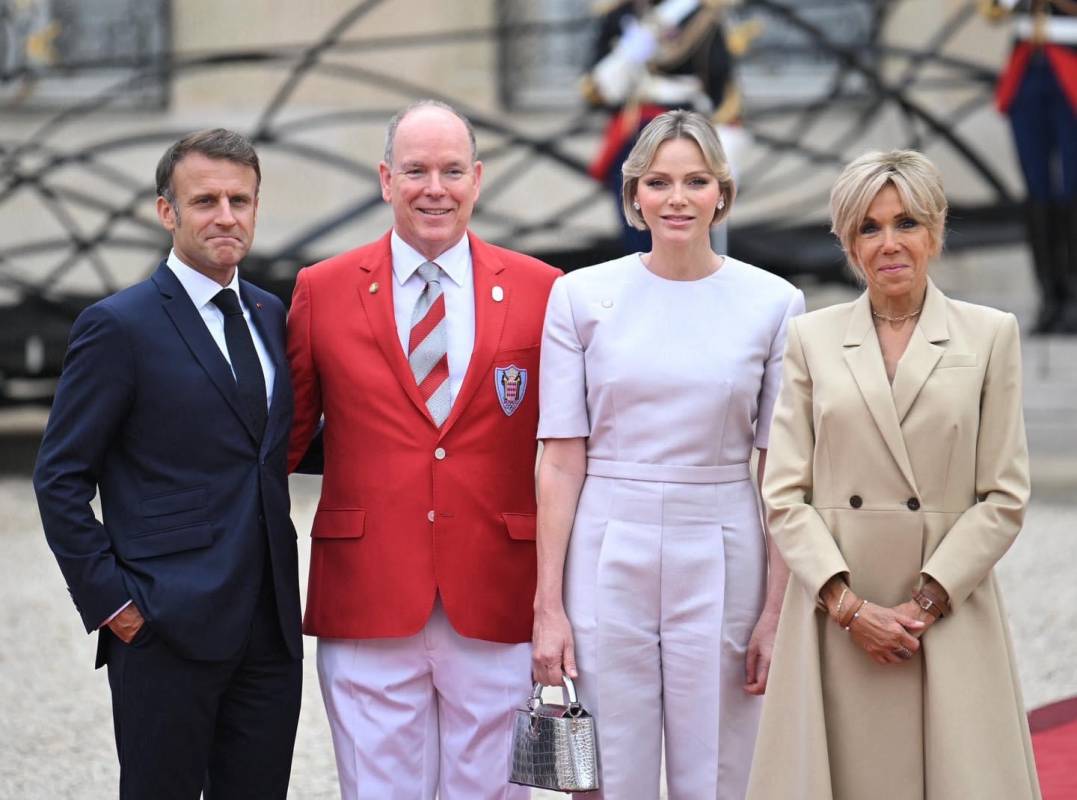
[{"x": 554, "y": 746}]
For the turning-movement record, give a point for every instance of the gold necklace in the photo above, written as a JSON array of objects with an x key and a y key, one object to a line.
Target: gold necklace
[{"x": 902, "y": 318}]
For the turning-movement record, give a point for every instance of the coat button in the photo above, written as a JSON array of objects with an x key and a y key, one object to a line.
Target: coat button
[
  {"x": 855, "y": 501},
  {"x": 430, "y": 516},
  {"x": 439, "y": 454},
  {"x": 913, "y": 504}
]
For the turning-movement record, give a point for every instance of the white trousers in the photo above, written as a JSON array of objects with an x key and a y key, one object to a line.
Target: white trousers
[
  {"x": 424, "y": 716},
  {"x": 664, "y": 583}
]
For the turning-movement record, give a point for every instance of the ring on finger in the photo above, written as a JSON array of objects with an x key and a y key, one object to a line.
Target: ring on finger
[{"x": 903, "y": 653}]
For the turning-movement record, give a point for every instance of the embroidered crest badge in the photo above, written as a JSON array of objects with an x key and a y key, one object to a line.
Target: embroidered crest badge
[{"x": 511, "y": 384}]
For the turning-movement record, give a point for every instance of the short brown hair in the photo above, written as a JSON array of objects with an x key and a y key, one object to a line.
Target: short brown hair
[
  {"x": 677, "y": 124},
  {"x": 217, "y": 143}
]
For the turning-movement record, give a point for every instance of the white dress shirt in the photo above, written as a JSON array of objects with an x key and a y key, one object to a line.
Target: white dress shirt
[
  {"x": 202, "y": 290},
  {"x": 459, "y": 291}
]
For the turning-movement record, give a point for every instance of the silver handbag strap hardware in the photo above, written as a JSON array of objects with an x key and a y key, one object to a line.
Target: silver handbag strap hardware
[{"x": 573, "y": 708}]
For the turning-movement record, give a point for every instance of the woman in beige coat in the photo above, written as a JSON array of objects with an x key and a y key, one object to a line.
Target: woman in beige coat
[{"x": 898, "y": 476}]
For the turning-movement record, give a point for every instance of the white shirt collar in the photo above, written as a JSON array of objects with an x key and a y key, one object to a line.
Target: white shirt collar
[
  {"x": 201, "y": 289},
  {"x": 454, "y": 262}
]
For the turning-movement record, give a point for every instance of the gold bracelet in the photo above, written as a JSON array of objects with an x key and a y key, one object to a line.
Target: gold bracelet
[{"x": 841, "y": 602}]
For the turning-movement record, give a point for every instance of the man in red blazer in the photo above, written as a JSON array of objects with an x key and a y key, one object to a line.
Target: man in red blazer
[{"x": 421, "y": 350}]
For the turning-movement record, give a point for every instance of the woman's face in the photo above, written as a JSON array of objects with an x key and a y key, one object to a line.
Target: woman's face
[
  {"x": 891, "y": 248},
  {"x": 677, "y": 195}
]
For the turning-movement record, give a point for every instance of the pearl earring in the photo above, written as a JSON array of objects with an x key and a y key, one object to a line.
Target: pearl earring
[
  {"x": 635, "y": 205},
  {"x": 721, "y": 203}
]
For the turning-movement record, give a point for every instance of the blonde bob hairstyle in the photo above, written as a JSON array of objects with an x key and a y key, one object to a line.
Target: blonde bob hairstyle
[
  {"x": 689, "y": 125},
  {"x": 918, "y": 184}
]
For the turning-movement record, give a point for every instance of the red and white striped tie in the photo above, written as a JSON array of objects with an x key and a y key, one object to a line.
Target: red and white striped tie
[{"x": 428, "y": 345}]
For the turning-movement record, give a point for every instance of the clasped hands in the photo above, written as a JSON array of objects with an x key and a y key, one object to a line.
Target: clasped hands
[{"x": 889, "y": 635}]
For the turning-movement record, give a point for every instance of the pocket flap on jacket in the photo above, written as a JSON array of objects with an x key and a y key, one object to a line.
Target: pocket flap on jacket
[
  {"x": 166, "y": 542},
  {"x": 521, "y": 526},
  {"x": 957, "y": 360},
  {"x": 339, "y": 523},
  {"x": 174, "y": 502}
]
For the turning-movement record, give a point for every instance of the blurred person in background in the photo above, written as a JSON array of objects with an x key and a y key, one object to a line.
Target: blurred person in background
[
  {"x": 1038, "y": 90},
  {"x": 659, "y": 374},
  {"x": 897, "y": 478},
  {"x": 651, "y": 57}
]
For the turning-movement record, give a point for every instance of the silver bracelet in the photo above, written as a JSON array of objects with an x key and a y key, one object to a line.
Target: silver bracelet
[{"x": 856, "y": 614}]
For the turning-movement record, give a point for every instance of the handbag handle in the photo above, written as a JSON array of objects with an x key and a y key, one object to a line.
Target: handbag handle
[{"x": 568, "y": 689}]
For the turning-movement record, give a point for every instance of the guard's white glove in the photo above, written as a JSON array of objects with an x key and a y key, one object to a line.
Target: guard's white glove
[
  {"x": 638, "y": 42},
  {"x": 671, "y": 13}
]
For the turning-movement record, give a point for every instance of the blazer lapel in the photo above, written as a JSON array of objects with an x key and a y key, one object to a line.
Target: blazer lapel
[
  {"x": 488, "y": 271},
  {"x": 377, "y": 302},
  {"x": 865, "y": 360},
  {"x": 922, "y": 354},
  {"x": 192, "y": 328}
]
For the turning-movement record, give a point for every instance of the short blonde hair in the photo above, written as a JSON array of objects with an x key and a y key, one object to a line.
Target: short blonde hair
[
  {"x": 918, "y": 184},
  {"x": 675, "y": 125}
]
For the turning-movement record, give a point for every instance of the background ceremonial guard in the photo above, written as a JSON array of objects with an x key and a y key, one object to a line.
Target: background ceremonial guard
[{"x": 1038, "y": 90}]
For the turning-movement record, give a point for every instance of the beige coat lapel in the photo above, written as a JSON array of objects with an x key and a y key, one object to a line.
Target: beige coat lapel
[
  {"x": 923, "y": 353},
  {"x": 865, "y": 360}
]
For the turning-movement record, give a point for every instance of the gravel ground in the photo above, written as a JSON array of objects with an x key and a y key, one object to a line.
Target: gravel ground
[{"x": 57, "y": 733}]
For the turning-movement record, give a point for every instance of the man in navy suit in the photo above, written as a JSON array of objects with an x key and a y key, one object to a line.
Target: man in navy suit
[{"x": 175, "y": 404}]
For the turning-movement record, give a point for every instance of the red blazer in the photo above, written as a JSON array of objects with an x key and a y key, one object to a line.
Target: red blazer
[{"x": 407, "y": 510}]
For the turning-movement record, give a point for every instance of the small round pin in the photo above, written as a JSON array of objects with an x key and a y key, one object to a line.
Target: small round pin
[
  {"x": 498, "y": 294},
  {"x": 374, "y": 287}
]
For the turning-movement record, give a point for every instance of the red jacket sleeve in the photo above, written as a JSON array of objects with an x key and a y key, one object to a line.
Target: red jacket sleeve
[{"x": 305, "y": 384}]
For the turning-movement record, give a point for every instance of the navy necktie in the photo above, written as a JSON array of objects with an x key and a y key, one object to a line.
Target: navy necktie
[{"x": 244, "y": 358}]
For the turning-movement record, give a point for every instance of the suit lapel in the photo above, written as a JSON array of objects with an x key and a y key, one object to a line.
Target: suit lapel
[
  {"x": 192, "y": 329},
  {"x": 488, "y": 271},
  {"x": 865, "y": 360},
  {"x": 377, "y": 302},
  {"x": 922, "y": 354}
]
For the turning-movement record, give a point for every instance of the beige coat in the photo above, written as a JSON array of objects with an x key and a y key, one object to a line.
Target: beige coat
[{"x": 887, "y": 484}]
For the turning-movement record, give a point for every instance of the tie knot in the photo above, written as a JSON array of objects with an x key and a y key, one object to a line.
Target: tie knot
[
  {"x": 430, "y": 272},
  {"x": 227, "y": 301}
]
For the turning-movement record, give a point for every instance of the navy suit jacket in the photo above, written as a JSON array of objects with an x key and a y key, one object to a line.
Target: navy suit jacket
[{"x": 148, "y": 412}]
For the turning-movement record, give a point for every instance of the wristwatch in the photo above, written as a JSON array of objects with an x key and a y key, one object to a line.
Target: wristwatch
[{"x": 927, "y": 604}]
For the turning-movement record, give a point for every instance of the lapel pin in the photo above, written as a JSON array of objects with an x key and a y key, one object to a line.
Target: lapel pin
[
  {"x": 257, "y": 305},
  {"x": 498, "y": 294},
  {"x": 374, "y": 287}
]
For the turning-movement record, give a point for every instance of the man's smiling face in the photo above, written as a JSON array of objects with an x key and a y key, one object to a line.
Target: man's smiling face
[{"x": 432, "y": 183}]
